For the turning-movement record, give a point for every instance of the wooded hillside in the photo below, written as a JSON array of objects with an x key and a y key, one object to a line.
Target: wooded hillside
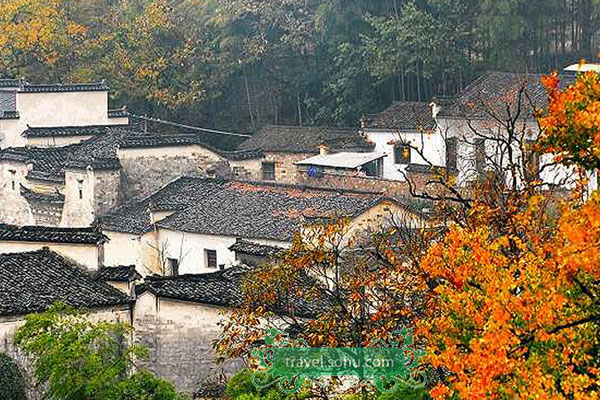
[{"x": 239, "y": 64}]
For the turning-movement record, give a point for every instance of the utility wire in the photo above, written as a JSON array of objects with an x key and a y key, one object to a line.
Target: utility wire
[{"x": 160, "y": 121}]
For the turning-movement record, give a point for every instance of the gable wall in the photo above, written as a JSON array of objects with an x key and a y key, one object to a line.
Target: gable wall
[
  {"x": 55, "y": 141},
  {"x": 10, "y": 324},
  {"x": 122, "y": 249},
  {"x": 14, "y": 209},
  {"x": 55, "y": 109},
  {"x": 145, "y": 170},
  {"x": 179, "y": 337},
  {"x": 79, "y": 212}
]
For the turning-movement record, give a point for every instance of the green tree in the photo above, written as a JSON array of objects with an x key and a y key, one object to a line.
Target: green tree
[
  {"x": 82, "y": 360},
  {"x": 12, "y": 383}
]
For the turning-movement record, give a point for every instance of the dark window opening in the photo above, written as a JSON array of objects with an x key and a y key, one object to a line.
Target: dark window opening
[
  {"x": 268, "y": 171},
  {"x": 14, "y": 185},
  {"x": 479, "y": 155},
  {"x": 80, "y": 193},
  {"x": 173, "y": 265},
  {"x": 402, "y": 154},
  {"x": 532, "y": 162},
  {"x": 451, "y": 153},
  {"x": 374, "y": 168},
  {"x": 211, "y": 258}
]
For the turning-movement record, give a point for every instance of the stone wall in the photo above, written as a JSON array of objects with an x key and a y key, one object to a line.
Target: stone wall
[
  {"x": 179, "y": 336},
  {"x": 145, "y": 170},
  {"x": 46, "y": 213},
  {"x": 107, "y": 186},
  {"x": 285, "y": 167},
  {"x": 392, "y": 188}
]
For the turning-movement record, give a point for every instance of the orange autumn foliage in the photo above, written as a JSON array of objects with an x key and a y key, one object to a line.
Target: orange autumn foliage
[
  {"x": 571, "y": 125},
  {"x": 516, "y": 314}
]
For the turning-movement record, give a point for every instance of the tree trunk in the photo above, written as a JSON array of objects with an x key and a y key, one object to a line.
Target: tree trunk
[{"x": 586, "y": 29}]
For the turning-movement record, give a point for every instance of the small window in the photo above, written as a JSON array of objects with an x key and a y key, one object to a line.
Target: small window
[
  {"x": 268, "y": 171},
  {"x": 211, "y": 258},
  {"x": 402, "y": 154},
  {"x": 14, "y": 185},
  {"x": 451, "y": 153},
  {"x": 80, "y": 194},
  {"x": 173, "y": 266}
]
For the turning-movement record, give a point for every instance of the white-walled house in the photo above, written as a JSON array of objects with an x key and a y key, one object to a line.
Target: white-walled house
[
  {"x": 191, "y": 224},
  {"x": 473, "y": 120},
  {"x": 402, "y": 123},
  {"x": 24, "y": 105},
  {"x": 458, "y": 134},
  {"x": 83, "y": 246},
  {"x": 72, "y": 185}
]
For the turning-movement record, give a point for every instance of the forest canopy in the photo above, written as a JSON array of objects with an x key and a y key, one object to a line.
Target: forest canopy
[{"x": 240, "y": 64}]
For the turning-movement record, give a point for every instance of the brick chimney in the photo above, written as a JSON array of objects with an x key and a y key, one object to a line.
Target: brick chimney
[{"x": 323, "y": 150}]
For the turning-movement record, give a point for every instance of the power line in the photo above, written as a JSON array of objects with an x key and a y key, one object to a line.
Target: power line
[{"x": 160, "y": 121}]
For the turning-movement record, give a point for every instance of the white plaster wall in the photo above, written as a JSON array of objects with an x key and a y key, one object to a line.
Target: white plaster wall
[
  {"x": 463, "y": 131},
  {"x": 84, "y": 254},
  {"x": 189, "y": 249},
  {"x": 118, "y": 121},
  {"x": 55, "y": 109},
  {"x": 14, "y": 209},
  {"x": 11, "y": 128},
  {"x": 431, "y": 144},
  {"x": 122, "y": 249},
  {"x": 79, "y": 212}
]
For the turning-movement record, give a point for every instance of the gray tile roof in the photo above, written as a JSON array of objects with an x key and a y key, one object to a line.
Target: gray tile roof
[
  {"x": 157, "y": 140},
  {"x": 118, "y": 113},
  {"x": 89, "y": 130},
  {"x": 10, "y": 83},
  {"x": 9, "y": 114},
  {"x": 290, "y": 139},
  {"x": 254, "y": 249},
  {"x": 30, "y": 195},
  {"x": 99, "y": 152},
  {"x": 23, "y": 86},
  {"x": 402, "y": 115},
  {"x": 121, "y": 273},
  {"x": 27, "y": 87},
  {"x": 222, "y": 288},
  {"x": 49, "y": 234},
  {"x": 239, "y": 209},
  {"x": 33, "y": 281},
  {"x": 490, "y": 94}
]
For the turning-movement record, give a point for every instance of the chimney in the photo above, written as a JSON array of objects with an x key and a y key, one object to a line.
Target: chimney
[
  {"x": 435, "y": 109},
  {"x": 363, "y": 122},
  {"x": 323, "y": 150}
]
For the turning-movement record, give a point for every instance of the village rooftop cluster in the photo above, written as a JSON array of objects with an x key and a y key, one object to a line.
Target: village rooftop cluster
[{"x": 157, "y": 228}]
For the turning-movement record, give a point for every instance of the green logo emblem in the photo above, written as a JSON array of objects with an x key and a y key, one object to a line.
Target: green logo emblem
[{"x": 293, "y": 364}]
